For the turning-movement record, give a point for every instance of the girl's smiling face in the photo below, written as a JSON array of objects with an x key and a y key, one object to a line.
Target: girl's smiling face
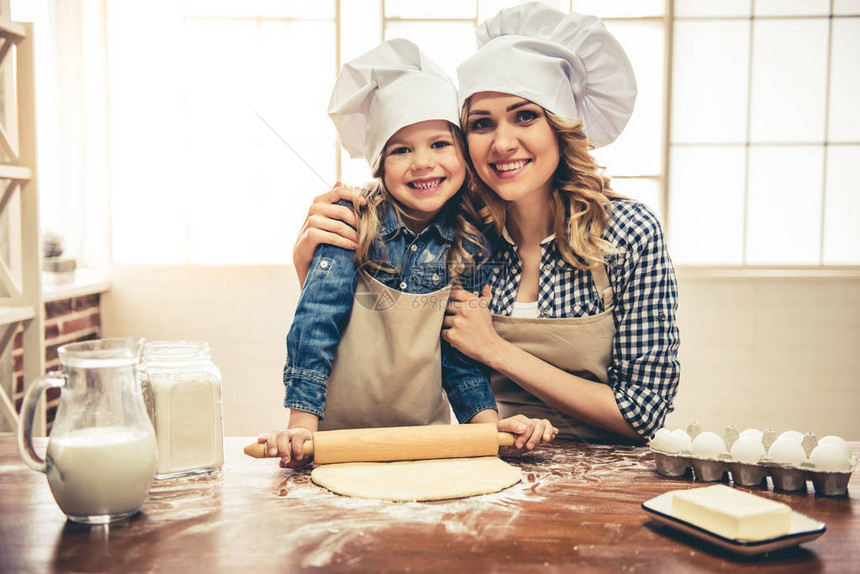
[
  {"x": 423, "y": 168},
  {"x": 512, "y": 146}
]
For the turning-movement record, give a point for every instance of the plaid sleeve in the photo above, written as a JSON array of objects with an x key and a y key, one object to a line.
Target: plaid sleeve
[{"x": 645, "y": 370}]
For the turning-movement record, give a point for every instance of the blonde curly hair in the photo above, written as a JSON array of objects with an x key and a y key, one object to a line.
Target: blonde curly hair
[
  {"x": 581, "y": 197},
  {"x": 466, "y": 230}
]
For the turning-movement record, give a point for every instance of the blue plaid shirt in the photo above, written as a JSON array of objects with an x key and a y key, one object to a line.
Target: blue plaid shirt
[{"x": 645, "y": 370}]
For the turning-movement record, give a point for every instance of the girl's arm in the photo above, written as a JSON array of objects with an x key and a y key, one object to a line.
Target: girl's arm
[
  {"x": 467, "y": 385},
  {"x": 288, "y": 444},
  {"x": 468, "y": 388},
  {"x": 320, "y": 318},
  {"x": 530, "y": 432},
  {"x": 470, "y": 329},
  {"x": 326, "y": 223}
]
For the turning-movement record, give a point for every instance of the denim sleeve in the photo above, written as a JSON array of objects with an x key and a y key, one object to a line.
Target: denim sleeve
[
  {"x": 467, "y": 384},
  {"x": 465, "y": 380},
  {"x": 480, "y": 271},
  {"x": 320, "y": 319}
]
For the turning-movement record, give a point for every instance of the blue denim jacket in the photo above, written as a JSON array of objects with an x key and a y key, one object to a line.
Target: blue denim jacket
[{"x": 326, "y": 303}]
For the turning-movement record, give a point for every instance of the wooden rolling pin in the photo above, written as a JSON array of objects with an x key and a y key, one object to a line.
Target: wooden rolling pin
[{"x": 400, "y": 443}]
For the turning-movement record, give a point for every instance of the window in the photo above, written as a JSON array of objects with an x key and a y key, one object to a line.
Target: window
[
  {"x": 742, "y": 138},
  {"x": 764, "y": 131},
  {"x": 219, "y": 135}
]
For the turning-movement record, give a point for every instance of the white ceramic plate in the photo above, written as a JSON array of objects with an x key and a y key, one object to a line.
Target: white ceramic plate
[{"x": 803, "y": 529}]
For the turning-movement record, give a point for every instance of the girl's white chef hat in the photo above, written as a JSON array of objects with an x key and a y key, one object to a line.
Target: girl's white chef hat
[
  {"x": 388, "y": 88},
  {"x": 568, "y": 64}
]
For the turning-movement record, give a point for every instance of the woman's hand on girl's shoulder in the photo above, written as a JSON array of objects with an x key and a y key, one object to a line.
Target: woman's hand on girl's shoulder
[
  {"x": 327, "y": 222},
  {"x": 529, "y": 433},
  {"x": 287, "y": 444}
]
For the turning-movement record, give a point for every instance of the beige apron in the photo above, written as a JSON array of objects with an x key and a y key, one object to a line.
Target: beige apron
[
  {"x": 579, "y": 345},
  {"x": 388, "y": 369}
]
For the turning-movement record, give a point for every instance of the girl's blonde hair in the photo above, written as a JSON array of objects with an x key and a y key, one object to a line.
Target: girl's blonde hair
[
  {"x": 370, "y": 215},
  {"x": 581, "y": 197}
]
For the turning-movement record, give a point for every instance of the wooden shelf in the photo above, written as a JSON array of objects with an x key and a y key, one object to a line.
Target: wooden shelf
[
  {"x": 10, "y": 315},
  {"x": 13, "y": 30},
  {"x": 17, "y": 172},
  {"x": 24, "y": 306}
]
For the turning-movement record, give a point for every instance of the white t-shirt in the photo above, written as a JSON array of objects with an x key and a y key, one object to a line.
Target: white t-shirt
[{"x": 525, "y": 310}]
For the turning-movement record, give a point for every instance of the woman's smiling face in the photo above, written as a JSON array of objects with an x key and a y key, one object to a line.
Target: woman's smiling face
[{"x": 513, "y": 148}]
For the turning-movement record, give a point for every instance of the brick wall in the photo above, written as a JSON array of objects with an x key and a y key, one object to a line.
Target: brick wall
[{"x": 66, "y": 321}]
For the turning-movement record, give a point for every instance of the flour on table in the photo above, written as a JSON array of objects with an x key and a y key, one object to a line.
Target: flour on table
[{"x": 418, "y": 480}]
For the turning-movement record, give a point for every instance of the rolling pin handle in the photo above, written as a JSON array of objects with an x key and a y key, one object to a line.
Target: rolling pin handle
[
  {"x": 258, "y": 449},
  {"x": 506, "y": 439}
]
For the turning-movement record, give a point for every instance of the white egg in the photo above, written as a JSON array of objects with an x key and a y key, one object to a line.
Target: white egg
[
  {"x": 787, "y": 451},
  {"x": 670, "y": 442},
  {"x": 793, "y": 435},
  {"x": 830, "y": 457},
  {"x": 757, "y": 434},
  {"x": 838, "y": 441},
  {"x": 681, "y": 440},
  {"x": 748, "y": 449},
  {"x": 708, "y": 445},
  {"x": 661, "y": 439}
]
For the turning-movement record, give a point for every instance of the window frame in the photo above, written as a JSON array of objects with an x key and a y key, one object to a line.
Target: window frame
[
  {"x": 745, "y": 269},
  {"x": 667, "y": 20}
]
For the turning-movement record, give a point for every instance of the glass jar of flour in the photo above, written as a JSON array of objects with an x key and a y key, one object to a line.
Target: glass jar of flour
[{"x": 182, "y": 391}]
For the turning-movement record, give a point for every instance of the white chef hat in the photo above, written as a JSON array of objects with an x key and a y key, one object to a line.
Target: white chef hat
[
  {"x": 390, "y": 87},
  {"x": 568, "y": 64}
]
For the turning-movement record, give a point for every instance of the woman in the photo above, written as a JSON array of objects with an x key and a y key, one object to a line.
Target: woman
[{"x": 578, "y": 322}]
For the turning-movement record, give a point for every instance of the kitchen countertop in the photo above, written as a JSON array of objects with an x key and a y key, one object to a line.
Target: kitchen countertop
[{"x": 578, "y": 508}]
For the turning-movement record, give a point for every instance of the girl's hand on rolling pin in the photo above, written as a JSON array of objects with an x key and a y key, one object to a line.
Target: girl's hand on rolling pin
[
  {"x": 529, "y": 433},
  {"x": 288, "y": 445},
  {"x": 326, "y": 222}
]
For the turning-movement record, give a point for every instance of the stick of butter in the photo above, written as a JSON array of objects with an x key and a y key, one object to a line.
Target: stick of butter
[{"x": 732, "y": 513}]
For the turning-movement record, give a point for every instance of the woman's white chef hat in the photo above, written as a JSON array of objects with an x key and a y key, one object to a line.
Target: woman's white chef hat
[
  {"x": 568, "y": 64},
  {"x": 390, "y": 87}
]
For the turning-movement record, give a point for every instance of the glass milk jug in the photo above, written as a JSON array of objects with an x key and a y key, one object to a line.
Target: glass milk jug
[
  {"x": 101, "y": 454},
  {"x": 182, "y": 390}
]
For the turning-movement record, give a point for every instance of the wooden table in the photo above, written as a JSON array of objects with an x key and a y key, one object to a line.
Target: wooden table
[{"x": 578, "y": 509}]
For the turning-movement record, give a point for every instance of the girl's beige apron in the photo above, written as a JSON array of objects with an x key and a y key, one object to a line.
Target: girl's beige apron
[
  {"x": 388, "y": 369},
  {"x": 578, "y": 345}
]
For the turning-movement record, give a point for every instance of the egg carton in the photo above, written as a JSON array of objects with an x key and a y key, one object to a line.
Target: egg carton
[{"x": 784, "y": 477}]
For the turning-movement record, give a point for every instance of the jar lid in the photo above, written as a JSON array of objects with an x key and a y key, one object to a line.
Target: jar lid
[{"x": 174, "y": 351}]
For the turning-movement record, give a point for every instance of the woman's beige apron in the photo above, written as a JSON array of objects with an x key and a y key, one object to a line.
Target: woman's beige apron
[
  {"x": 579, "y": 345},
  {"x": 388, "y": 369}
]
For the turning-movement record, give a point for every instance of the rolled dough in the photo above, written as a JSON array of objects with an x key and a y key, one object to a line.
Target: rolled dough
[{"x": 419, "y": 479}]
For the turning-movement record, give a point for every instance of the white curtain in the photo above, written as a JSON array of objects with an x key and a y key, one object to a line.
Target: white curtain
[{"x": 71, "y": 108}]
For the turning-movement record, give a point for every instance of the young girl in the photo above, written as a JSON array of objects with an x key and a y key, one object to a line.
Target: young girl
[{"x": 380, "y": 362}]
